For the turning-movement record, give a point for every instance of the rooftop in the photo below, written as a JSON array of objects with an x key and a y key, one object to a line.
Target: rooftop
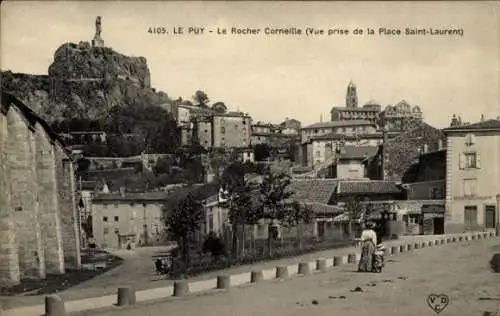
[
  {"x": 358, "y": 152},
  {"x": 313, "y": 190},
  {"x": 368, "y": 186},
  {"x": 331, "y": 124},
  {"x": 339, "y": 136},
  {"x": 365, "y": 108},
  {"x": 142, "y": 197},
  {"x": 487, "y": 125}
]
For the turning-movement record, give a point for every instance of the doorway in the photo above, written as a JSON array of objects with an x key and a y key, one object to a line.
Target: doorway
[{"x": 490, "y": 216}]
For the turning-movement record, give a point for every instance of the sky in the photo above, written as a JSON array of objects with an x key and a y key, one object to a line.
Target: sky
[{"x": 275, "y": 77}]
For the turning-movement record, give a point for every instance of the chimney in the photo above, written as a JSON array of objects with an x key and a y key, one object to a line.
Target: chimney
[
  {"x": 440, "y": 144},
  {"x": 482, "y": 117},
  {"x": 426, "y": 148}
]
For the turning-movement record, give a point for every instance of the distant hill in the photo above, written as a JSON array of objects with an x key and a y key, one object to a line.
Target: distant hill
[{"x": 85, "y": 82}]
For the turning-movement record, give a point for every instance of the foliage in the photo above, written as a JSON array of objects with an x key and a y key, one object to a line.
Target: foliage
[
  {"x": 261, "y": 152},
  {"x": 201, "y": 98},
  {"x": 219, "y": 107},
  {"x": 184, "y": 220},
  {"x": 296, "y": 214},
  {"x": 275, "y": 193},
  {"x": 163, "y": 165},
  {"x": 214, "y": 245},
  {"x": 354, "y": 210}
]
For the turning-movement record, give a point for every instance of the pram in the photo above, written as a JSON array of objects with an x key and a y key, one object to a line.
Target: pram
[{"x": 378, "y": 258}]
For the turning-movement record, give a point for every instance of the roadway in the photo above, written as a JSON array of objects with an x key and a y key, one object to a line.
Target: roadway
[{"x": 461, "y": 271}]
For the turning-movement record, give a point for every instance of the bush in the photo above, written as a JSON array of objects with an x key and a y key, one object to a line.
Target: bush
[
  {"x": 214, "y": 245},
  {"x": 202, "y": 263}
]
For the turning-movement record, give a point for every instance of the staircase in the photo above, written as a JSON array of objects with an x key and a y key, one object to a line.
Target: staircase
[{"x": 317, "y": 168}]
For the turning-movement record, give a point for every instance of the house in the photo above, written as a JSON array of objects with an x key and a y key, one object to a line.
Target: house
[
  {"x": 124, "y": 220},
  {"x": 39, "y": 225},
  {"x": 397, "y": 154},
  {"x": 472, "y": 176},
  {"x": 319, "y": 140},
  {"x": 425, "y": 185},
  {"x": 350, "y": 161},
  {"x": 224, "y": 130}
]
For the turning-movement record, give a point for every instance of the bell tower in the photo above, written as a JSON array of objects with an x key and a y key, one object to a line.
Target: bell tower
[{"x": 351, "y": 99}]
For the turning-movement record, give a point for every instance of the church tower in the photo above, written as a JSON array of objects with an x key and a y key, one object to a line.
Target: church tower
[{"x": 351, "y": 99}]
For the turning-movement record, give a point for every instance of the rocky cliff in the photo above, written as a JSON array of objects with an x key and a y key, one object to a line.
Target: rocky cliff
[{"x": 84, "y": 82}]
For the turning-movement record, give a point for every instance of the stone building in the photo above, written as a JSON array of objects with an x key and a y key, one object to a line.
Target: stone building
[
  {"x": 472, "y": 176},
  {"x": 123, "y": 219},
  {"x": 224, "y": 130},
  {"x": 39, "y": 226},
  {"x": 351, "y": 111},
  {"x": 397, "y": 117}
]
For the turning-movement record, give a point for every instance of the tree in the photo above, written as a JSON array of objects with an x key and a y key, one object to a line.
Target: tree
[
  {"x": 162, "y": 166},
  {"x": 275, "y": 194},
  {"x": 261, "y": 152},
  {"x": 297, "y": 215},
  {"x": 354, "y": 210},
  {"x": 184, "y": 220},
  {"x": 201, "y": 98},
  {"x": 219, "y": 107}
]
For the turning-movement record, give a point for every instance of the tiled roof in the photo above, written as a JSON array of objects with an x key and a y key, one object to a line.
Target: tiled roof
[
  {"x": 362, "y": 109},
  {"x": 320, "y": 208},
  {"x": 484, "y": 125},
  {"x": 112, "y": 197},
  {"x": 338, "y": 124},
  {"x": 358, "y": 152},
  {"x": 313, "y": 190},
  {"x": 370, "y": 186},
  {"x": 337, "y": 136}
]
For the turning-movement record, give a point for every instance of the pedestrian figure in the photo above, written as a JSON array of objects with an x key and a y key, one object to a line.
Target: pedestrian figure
[{"x": 368, "y": 244}]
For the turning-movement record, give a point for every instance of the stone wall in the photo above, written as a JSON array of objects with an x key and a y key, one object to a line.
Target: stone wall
[
  {"x": 38, "y": 231},
  {"x": 49, "y": 204},
  {"x": 67, "y": 205},
  {"x": 24, "y": 201},
  {"x": 9, "y": 261}
]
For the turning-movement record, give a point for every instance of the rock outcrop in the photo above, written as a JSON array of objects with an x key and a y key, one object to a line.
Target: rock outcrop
[{"x": 84, "y": 82}]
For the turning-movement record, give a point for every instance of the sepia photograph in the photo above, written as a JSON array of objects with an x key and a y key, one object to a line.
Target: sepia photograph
[{"x": 249, "y": 158}]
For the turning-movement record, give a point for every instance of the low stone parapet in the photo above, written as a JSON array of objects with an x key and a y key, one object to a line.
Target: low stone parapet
[{"x": 282, "y": 272}]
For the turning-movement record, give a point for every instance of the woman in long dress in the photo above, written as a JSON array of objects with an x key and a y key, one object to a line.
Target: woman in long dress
[{"x": 368, "y": 244}]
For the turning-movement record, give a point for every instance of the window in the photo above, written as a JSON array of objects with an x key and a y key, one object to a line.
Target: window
[
  {"x": 435, "y": 193},
  {"x": 315, "y": 131},
  {"x": 105, "y": 230},
  {"x": 116, "y": 218},
  {"x": 470, "y": 187},
  {"x": 318, "y": 153},
  {"x": 222, "y": 130},
  {"x": 104, "y": 218},
  {"x": 132, "y": 204},
  {"x": 470, "y": 160},
  {"x": 117, "y": 231}
]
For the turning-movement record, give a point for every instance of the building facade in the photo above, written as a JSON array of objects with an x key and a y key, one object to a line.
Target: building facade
[
  {"x": 231, "y": 130},
  {"x": 124, "y": 220},
  {"x": 472, "y": 176},
  {"x": 39, "y": 225}
]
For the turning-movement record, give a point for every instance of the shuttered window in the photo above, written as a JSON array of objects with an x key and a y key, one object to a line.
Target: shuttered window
[{"x": 470, "y": 160}]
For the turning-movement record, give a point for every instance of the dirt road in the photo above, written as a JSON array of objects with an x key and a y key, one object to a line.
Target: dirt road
[{"x": 460, "y": 271}]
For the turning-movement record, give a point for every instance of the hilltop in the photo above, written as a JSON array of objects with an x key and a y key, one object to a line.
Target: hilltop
[{"x": 85, "y": 82}]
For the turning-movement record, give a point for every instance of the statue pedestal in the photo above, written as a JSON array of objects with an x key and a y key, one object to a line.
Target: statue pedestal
[{"x": 97, "y": 42}]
